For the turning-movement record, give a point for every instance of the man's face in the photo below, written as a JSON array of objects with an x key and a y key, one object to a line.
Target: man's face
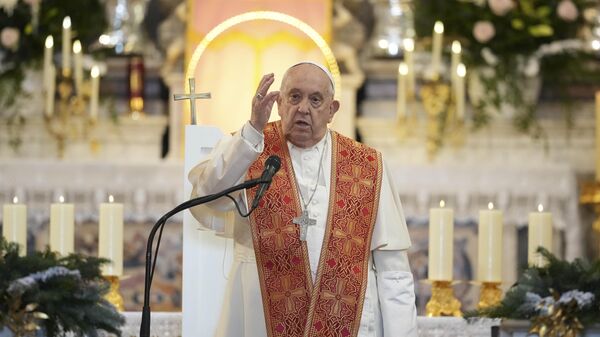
[{"x": 306, "y": 104}]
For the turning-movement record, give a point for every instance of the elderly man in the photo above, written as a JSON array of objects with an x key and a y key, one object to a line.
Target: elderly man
[{"x": 324, "y": 253}]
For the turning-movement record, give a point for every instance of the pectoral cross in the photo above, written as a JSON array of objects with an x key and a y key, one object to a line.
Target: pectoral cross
[
  {"x": 304, "y": 221},
  {"x": 192, "y": 96}
]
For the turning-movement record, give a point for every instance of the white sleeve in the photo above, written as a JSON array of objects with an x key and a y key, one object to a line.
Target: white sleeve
[
  {"x": 224, "y": 167},
  {"x": 396, "y": 292},
  {"x": 390, "y": 232}
]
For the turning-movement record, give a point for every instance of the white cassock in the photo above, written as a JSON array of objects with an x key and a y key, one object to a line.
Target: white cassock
[{"x": 389, "y": 305}]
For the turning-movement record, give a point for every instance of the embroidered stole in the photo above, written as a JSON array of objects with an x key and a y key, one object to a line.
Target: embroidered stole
[{"x": 292, "y": 305}]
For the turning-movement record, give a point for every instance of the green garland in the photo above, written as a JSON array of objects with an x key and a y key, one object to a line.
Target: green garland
[
  {"x": 57, "y": 294},
  {"x": 552, "y": 294}
]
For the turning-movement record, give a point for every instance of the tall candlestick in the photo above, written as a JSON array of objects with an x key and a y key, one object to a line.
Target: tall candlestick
[
  {"x": 66, "y": 47},
  {"x": 95, "y": 74},
  {"x": 48, "y": 51},
  {"x": 401, "y": 91},
  {"x": 598, "y": 136},
  {"x": 78, "y": 64},
  {"x": 459, "y": 91},
  {"x": 436, "y": 52},
  {"x": 50, "y": 91},
  {"x": 14, "y": 228},
  {"x": 441, "y": 238},
  {"x": 62, "y": 232},
  {"x": 490, "y": 245},
  {"x": 540, "y": 234},
  {"x": 110, "y": 244},
  {"x": 409, "y": 48},
  {"x": 455, "y": 60}
]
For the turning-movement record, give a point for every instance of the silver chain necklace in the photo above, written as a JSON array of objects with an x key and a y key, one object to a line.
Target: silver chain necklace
[{"x": 304, "y": 220}]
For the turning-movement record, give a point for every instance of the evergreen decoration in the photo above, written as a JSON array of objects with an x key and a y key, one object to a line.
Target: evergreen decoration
[
  {"x": 55, "y": 294},
  {"x": 560, "y": 298}
]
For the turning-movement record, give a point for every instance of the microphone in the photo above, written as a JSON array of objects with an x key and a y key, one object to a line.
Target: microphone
[{"x": 272, "y": 165}]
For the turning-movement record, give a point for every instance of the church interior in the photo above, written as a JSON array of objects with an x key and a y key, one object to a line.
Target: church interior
[{"x": 486, "y": 112}]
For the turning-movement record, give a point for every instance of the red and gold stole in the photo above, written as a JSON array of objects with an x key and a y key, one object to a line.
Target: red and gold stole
[{"x": 293, "y": 305}]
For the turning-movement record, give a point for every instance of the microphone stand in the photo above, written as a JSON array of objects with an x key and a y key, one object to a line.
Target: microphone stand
[{"x": 145, "y": 325}]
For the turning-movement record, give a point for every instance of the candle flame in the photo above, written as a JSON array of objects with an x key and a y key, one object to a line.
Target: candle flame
[
  {"x": 461, "y": 70},
  {"x": 49, "y": 42},
  {"x": 383, "y": 43},
  {"x": 76, "y": 47},
  {"x": 456, "y": 47},
  {"x": 403, "y": 69},
  {"x": 442, "y": 203},
  {"x": 438, "y": 27},
  {"x": 596, "y": 45},
  {"x": 95, "y": 71},
  {"x": 540, "y": 208},
  {"x": 61, "y": 199},
  {"x": 15, "y": 200},
  {"x": 104, "y": 39},
  {"x": 67, "y": 22},
  {"x": 111, "y": 199},
  {"x": 491, "y": 205},
  {"x": 409, "y": 44}
]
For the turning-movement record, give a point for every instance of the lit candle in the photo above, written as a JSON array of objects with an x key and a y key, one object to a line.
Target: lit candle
[
  {"x": 50, "y": 91},
  {"x": 14, "y": 228},
  {"x": 459, "y": 91},
  {"x": 598, "y": 136},
  {"x": 490, "y": 245},
  {"x": 66, "y": 46},
  {"x": 401, "y": 94},
  {"x": 95, "y": 74},
  {"x": 441, "y": 237},
  {"x": 78, "y": 64},
  {"x": 540, "y": 234},
  {"x": 455, "y": 60},
  {"x": 436, "y": 52},
  {"x": 409, "y": 48},
  {"x": 62, "y": 232},
  {"x": 48, "y": 51},
  {"x": 111, "y": 237}
]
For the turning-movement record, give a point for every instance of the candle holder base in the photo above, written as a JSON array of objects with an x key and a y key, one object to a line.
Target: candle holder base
[
  {"x": 114, "y": 296},
  {"x": 490, "y": 295},
  {"x": 442, "y": 302}
]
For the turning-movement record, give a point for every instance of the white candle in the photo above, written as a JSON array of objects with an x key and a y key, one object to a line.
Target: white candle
[
  {"x": 459, "y": 91},
  {"x": 409, "y": 48},
  {"x": 436, "y": 52},
  {"x": 110, "y": 244},
  {"x": 441, "y": 238},
  {"x": 490, "y": 245},
  {"x": 95, "y": 74},
  {"x": 540, "y": 234},
  {"x": 48, "y": 51},
  {"x": 66, "y": 46},
  {"x": 78, "y": 65},
  {"x": 62, "y": 231},
  {"x": 14, "y": 224},
  {"x": 598, "y": 136},
  {"x": 50, "y": 91},
  {"x": 401, "y": 91},
  {"x": 455, "y": 60}
]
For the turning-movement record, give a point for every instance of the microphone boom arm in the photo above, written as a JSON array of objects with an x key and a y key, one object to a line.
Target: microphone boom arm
[{"x": 149, "y": 274}]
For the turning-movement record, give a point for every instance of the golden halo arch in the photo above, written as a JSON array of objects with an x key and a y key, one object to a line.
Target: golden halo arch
[{"x": 270, "y": 16}]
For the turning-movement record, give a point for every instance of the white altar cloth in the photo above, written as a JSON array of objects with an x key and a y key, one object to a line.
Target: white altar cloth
[{"x": 169, "y": 325}]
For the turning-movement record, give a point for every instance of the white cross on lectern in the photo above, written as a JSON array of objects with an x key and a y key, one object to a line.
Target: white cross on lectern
[{"x": 192, "y": 96}]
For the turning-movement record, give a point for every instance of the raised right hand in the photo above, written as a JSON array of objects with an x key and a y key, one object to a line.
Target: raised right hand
[{"x": 262, "y": 103}]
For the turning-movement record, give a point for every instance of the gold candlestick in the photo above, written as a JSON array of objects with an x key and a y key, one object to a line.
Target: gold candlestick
[
  {"x": 442, "y": 302},
  {"x": 590, "y": 195},
  {"x": 114, "y": 296},
  {"x": 435, "y": 96},
  {"x": 490, "y": 295}
]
